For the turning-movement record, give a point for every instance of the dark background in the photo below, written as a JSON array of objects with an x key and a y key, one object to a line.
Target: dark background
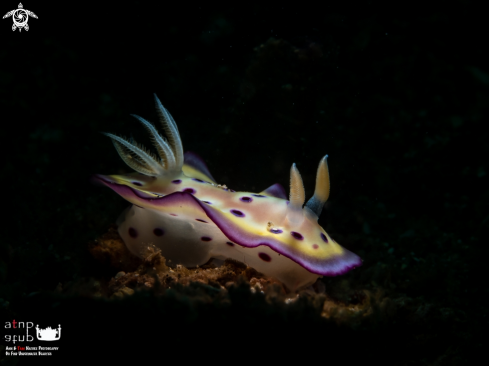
[{"x": 398, "y": 98}]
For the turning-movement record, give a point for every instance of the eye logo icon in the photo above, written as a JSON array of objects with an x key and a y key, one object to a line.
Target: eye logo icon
[{"x": 20, "y": 17}]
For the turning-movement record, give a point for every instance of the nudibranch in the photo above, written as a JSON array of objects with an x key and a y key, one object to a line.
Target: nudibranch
[{"x": 178, "y": 207}]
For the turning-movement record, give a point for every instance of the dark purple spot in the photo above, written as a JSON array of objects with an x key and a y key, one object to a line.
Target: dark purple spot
[
  {"x": 133, "y": 233},
  {"x": 176, "y": 181},
  {"x": 325, "y": 239},
  {"x": 296, "y": 235},
  {"x": 258, "y": 195},
  {"x": 315, "y": 246},
  {"x": 232, "y": 190},
  {"x": 198, "y": 180},
  {"x": 173, "y": 215},
  {"x": 237, "y": 213},
  {"x": 265, "y": 257},
  {"x": 246, "y": 199},
  {"x": 158, "y": 231},
  {"x": 287, "y": 202},
  {"x": 230, "y": 244},
  {"x": 201, "y": 220},
  {"x": 276, "y": 231},
  {"x": 206, "y": 238},
  {"x": 189, "y": 190},
  {"x": 137, "y": 184},
  {"x": 207, "y": 202}
]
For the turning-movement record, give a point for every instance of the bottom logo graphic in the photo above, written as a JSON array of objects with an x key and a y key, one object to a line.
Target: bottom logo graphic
[
  {"x": 48, "y": 334},
  {"x": 17, "y": 334}
]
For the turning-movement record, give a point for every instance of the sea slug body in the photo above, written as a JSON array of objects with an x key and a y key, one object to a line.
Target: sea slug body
[{"x": 178, "y": 207}]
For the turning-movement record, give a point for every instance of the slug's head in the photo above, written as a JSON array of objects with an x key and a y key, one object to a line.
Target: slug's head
[
  {"x": 295, "y": 212},
  {"x": 306, "y": 242}
]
